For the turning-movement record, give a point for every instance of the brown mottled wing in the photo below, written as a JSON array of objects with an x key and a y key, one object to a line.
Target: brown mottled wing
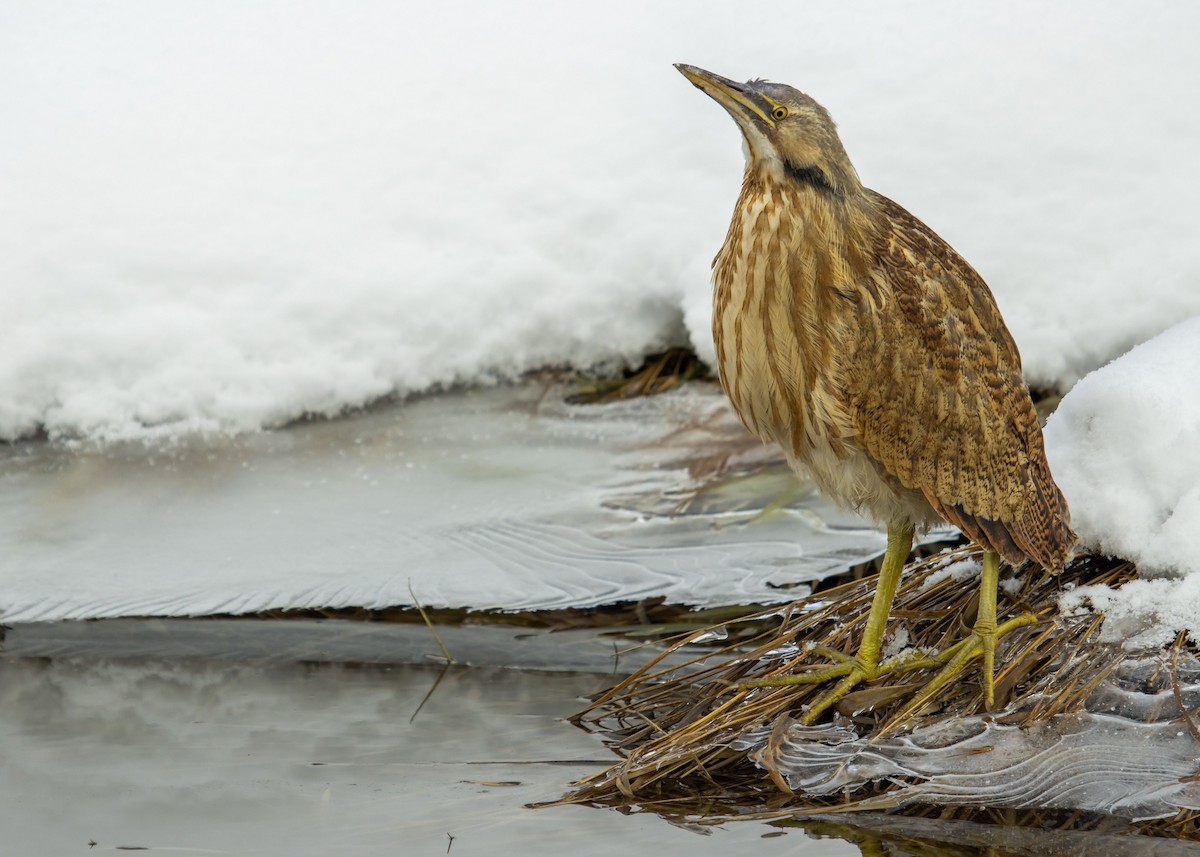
[{"x": 937, "y": 397}]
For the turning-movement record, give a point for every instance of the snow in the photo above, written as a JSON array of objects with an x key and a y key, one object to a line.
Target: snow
[
  {"x": 1124, "y": 446},
  {"x": 959, "y": 570},
  {"x": 219, "y": 216}
]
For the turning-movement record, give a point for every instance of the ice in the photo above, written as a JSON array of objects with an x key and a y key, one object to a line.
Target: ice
[
  {"x": 218, "y": 216},
  {"x": 1131, "y": 752},
  {"x": 1089, "y": 762},
  {"x": 496, "y": 499},
  {"x": 1125, "y": 448}
]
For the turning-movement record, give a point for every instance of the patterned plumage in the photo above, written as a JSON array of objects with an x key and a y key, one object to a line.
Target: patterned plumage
[{"x": 850, "y": 333}]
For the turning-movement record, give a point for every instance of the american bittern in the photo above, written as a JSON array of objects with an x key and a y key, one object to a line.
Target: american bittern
[{"x": 851, "y": 334}]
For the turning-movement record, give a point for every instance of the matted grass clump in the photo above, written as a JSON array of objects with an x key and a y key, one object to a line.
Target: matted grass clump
[{"x": 673, "y": 724}]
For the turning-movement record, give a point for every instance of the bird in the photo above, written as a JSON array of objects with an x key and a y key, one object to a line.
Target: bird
[{"x": 851, "y": 334}]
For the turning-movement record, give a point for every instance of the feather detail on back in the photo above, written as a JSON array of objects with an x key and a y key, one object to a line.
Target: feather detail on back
[{"x": 855, "y": 337}]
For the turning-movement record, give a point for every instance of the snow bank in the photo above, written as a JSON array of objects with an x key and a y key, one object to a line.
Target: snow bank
[
  {"x": 1125, "y": 448},
  {"x": 216, "y": 216}
]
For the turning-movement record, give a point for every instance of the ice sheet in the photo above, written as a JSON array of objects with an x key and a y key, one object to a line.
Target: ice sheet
[
  {"x": 1131, "y": 753},
  {"x": 1088, "y": 762},
  {"x": 501, "y": 499}
]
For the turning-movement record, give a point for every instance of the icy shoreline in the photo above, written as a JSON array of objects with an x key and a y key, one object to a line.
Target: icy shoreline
[{"x": 501, "y": 499}]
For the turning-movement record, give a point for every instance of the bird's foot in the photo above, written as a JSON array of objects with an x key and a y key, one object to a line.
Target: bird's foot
[
  {"x": 865, "y": 665},
  {"x": 852, "y": 670},
  {"x": 954, "y": 660}
]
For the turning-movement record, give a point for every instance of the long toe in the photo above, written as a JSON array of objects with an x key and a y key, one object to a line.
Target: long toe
[{"x": 956, "y": 659}]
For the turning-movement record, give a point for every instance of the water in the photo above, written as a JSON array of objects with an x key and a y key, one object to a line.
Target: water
[
  {"x": 199, "y": 749},
  {"x": 299, "y": 737},
  {"x": 303, "y": 738}
]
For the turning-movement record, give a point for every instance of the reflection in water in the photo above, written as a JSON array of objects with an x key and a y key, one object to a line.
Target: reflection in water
[
  {"x": 238, "y": 754},
  {"x": 298, "y": 759},
  {"x": 878, "y": 835}
]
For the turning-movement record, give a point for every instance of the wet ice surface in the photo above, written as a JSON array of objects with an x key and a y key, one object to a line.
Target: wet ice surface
[
  {"x": 1131, "y": 753},
  {"x": 1085, "y": 761},
  {"x": 281, "y": 757},
  {"x": 502, "y": 498}
]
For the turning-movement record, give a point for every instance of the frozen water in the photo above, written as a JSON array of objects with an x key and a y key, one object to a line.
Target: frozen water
[
  {"x": 502, "y": 498},
  {"x": 1088, "y": 762},
  {"x": 332, "y": 641},
  {"x": 1125, "y": 448},
  {"x": 216, "y": 216}
]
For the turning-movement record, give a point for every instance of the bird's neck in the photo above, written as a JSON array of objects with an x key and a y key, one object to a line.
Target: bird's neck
[
  {"x": 792, "y": 235},
  {"x": 792, "y": 246}
]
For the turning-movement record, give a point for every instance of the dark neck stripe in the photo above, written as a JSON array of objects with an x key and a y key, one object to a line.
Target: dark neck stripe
[{"x": 810, "y": 175}]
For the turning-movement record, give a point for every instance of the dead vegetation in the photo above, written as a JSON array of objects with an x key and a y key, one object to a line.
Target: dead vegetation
[
  {"x": 673, "y": 726},
  {"x": 658, "y": 374}
]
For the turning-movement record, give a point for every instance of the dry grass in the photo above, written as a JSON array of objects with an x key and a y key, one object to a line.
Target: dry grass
[
  {"x": 660, "y": 373},
  {"x": 673, "y": 725}
]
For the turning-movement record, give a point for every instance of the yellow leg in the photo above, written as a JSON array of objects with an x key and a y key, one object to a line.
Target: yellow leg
[
  {"x": 864, "y": 666},
  {"x": 985, "y": 622},
  {"x": 981, "y": 642}
]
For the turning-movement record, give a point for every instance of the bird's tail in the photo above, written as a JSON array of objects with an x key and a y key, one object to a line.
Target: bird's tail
[{"x": 1041, "y": 531}]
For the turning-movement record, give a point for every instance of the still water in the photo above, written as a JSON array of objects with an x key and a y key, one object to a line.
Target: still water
[
  {"x": 296, "y": 754},
  {"x": 293, "y": 738}
]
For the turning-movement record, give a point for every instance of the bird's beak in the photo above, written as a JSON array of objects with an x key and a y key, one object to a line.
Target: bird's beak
[{"x": 739, "y": 99}]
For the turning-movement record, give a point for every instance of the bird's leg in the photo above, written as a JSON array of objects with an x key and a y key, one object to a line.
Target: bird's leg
[
  {"x": 985, "y": 621},
  {"x": 900, "y": 536},
  {"x": 865, "y": 665},
  {"x": 981, "y": 642}
]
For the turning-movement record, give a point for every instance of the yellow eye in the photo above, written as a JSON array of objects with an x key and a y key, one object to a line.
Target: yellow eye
[{"x": 779, "y": 112}]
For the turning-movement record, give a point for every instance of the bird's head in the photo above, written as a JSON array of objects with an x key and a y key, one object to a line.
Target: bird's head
[{"x": 787, "y": 133}]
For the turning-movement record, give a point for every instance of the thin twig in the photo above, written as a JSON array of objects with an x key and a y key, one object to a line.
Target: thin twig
[
  {"x": 429, "y": 693},
  {"x": 1183, "y": 712},
  {"x": 429, "y": 625}
]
